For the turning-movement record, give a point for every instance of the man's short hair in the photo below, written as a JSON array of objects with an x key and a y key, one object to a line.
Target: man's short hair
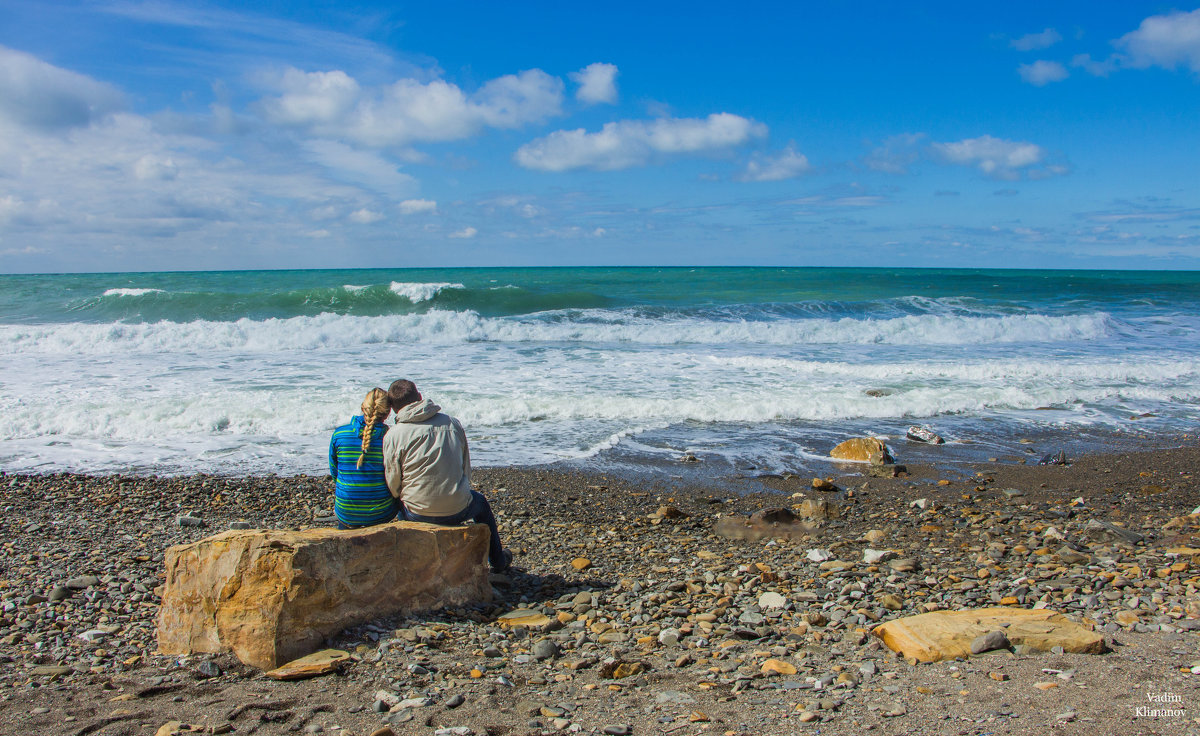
[{"x": 402, "y": 393}]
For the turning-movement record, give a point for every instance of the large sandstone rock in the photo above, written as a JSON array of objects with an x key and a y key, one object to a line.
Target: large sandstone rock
[
  {"x": 272, "y": 596},
  {"x": 931, "y": 637},
  {"x": 863, "y": 450}
]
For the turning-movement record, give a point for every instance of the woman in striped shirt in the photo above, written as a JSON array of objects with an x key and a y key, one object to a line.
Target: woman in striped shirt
[{"x": 361, "y": 495}]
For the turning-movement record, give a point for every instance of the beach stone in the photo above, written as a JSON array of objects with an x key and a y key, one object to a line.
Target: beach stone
[
  {"x": 932, "y": 637},
  {"x": 270, "y": 596},
  {"x": 989, "y": 642},
  {"x": 312, "y": 665},
  {"x": 208, "y": 668},
  {"x": 778, "y": 667},
  {"x": 813, "y": 508},
  {"x": 1105, "y": 532},
  {"x": 862, "y": 449},
  {"x": 60, "y": 593},
  {"x": 1127, "y": 618},
  {"x": 669, "y": 637},
  {"x": 1071, "y": 557},
  {"x": 82, "y": 582},
  {"x": 545, "y": 649},
  {"x": 668, "y": 512},
  {"x": 886, "y": 470},
  {"x": 526, "y": 617},
  {"x": 872, "y": 556},
  {"x": 581, "y": 563},
  {"x": 925, "y": 435},
  {"x": 186, "y": 520},
  {"x": 772, "y": 600}
]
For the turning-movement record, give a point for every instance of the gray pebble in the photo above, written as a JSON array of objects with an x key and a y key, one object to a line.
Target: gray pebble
[{"x": 989, "y": 642}]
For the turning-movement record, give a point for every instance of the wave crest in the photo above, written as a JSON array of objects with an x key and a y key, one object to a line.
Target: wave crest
[{"x": 609, "y": 326}]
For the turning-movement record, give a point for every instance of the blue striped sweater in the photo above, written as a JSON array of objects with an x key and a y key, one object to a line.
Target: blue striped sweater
[{"x": 361, "y": 496}]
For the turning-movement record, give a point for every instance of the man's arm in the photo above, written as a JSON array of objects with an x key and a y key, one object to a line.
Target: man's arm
[
  {"x": 392, "y": 471},
  {"x": 462, "y": 435}
]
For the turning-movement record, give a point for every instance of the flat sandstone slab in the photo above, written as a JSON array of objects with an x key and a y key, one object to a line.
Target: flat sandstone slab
[
  {"x": 931, "y": 637},
  {"x": 273, "y": 596}
]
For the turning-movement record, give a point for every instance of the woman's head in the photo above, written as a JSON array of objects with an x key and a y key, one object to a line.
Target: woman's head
[{"x": 375, "y": 409}]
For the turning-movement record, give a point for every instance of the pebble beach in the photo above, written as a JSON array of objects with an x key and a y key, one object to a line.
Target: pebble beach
[{"x": 633, "y": 616}]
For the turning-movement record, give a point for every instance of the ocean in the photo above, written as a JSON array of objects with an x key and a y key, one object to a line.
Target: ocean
[{"x": 755, "y": 370}]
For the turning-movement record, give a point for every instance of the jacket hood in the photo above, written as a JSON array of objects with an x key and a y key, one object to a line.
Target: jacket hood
[{"x": 417, "y": 412}]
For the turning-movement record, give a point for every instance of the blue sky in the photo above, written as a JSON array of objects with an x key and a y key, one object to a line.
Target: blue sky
[{"x": 163, "y": 135}]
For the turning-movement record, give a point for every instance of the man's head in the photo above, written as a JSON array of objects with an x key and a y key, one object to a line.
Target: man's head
[{"x": 402, "y": 393}]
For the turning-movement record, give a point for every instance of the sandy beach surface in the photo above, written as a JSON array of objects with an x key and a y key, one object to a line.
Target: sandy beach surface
[{"x": 717, "y": 635}]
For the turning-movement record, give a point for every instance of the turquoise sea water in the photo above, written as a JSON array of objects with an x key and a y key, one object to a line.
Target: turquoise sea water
[{"x": 748, "y": 367}]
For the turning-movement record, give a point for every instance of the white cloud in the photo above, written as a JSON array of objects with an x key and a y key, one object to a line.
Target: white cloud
[
  {"x": 366, "y": 168},
  {"x": 1033, "y": 41},
  {"x": 511, "y": 101},
  {"x": 897, "y": 153},
  {"x": 41, "y": 96},
  {"x": 1093, "y": 67},
  {"x": 822, "y": 201},
  {"x": 417, "y": 206},
  {"x": 626, "y": 143},
  {"x": 1164, "y": 40},
  {"x": 365, "y": 216},
  {"x": 998, "y": 158},
  {"x": 597, "y": 83},
  {"x": 466, "y": 232},
  {"x": 788, "y": 164},
  {"x": 312, "y": 99},
  {"x": 229, "y": 38},
  {"x": 154, "y": 167},
  {"x": 1041, "y": 72},
  {"x": 334, "y": 105},
  {"x": 121, "y": 190}
]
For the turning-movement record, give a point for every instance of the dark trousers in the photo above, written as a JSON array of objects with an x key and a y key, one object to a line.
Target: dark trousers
[{"x": 480, "y": 512}]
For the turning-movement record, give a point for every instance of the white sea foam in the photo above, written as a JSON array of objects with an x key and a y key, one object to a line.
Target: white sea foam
[
  {"x": 263, "y": 395},
  {"x": 353, "y": 287},
  {"x": 132, "y": 292},
  {"x": 272, "y": 409},
  {"x": 596, "y": 327},
  {"x": 421, "y": 292}
]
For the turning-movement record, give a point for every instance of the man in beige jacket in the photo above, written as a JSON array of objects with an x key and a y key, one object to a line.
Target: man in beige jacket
[{"x": 428, "y": 467}]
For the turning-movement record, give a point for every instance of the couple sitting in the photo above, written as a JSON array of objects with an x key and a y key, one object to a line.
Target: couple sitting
[{"x": 418, "y": 470}]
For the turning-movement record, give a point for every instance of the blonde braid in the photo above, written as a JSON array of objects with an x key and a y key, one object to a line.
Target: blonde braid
[{"x": 375, "y": 409}]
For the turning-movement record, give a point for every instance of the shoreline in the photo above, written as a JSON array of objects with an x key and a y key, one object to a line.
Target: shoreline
[{"x": 646, "y": 576}]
